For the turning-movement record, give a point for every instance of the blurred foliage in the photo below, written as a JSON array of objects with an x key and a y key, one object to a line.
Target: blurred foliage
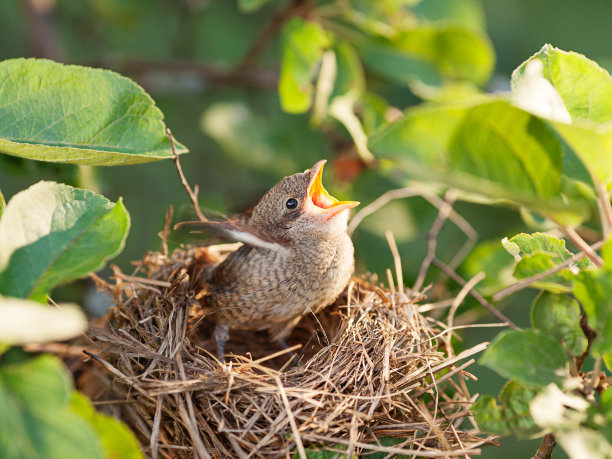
[{"x": 350, "y": 68}]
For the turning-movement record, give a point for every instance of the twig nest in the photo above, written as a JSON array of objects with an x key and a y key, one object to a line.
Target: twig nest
[{"x": 371, "y": 372}]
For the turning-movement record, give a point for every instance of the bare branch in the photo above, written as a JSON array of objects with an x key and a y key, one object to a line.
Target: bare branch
[
  {"x": 432, "y": 237},
  {"x": 477, "y": 296},
  {"x": 192, "y": 195},
  {"x": 573, "y": 236}
]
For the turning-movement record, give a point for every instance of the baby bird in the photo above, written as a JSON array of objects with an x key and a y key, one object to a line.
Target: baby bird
[{"x": 296, "y": 259}]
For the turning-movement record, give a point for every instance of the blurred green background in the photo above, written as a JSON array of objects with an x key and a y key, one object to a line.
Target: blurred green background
[{"x": 185, "y": 54}]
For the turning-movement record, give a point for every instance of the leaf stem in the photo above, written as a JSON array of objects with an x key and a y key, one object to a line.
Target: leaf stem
[
  {"x": 604, "y": 207},
  {"x": 573, "y": 236}
]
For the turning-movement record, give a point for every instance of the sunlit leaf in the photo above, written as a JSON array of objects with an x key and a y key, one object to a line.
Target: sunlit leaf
[
  {"x": 117, "y": 439},
  {"x": 586, "y": 88},
  {"x": 511, "y": 415},
  {"x": 527, "y": 356},
  {"x": 559, "y": 316},
  {"x": 25, "y": 321},
  {"x": 78, "y": 115},
  {"x": 34, "y": 414},
  {"x": 52, "y": 233},
  {"x": 493, "y": 150},
  {"x": 303, "y": 44},
  {"x": 539, "y": 252},
  {"x": 431, "y": 53}
]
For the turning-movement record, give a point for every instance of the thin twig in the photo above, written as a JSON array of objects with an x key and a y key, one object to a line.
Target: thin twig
[
  {"x": 604, "y": 207},
  {"x": 432, "y": 237},
  {"x": 573, "y": 236},
  {"x": 477, "y": 296},
  {"x": 163, "y": 235},
  {"x": 524, "y": 283},
  {"x": 457, "y": 302},
  {"x": 397, "y": 261},
  {"x": 192, "y": 195}
]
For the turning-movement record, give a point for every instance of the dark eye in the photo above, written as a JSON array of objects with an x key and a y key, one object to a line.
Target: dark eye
[{"x": 291, "y": 203}]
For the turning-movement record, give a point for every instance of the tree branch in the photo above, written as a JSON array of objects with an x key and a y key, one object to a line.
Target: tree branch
[{"x": 193, "y": 196}]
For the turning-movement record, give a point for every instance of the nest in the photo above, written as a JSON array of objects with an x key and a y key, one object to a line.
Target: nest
[{"x": 369, "y": 373}]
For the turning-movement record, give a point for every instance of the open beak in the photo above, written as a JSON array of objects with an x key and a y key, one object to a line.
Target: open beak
[{"x": 321, "y": 198}]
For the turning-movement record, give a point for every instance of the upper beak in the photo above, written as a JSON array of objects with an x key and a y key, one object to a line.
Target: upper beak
[{"x": 319, "y": 195}]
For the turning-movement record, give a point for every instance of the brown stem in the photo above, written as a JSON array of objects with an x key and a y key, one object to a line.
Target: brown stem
[
  {"x": 573, "y": 236},
  {"x": 477, "y": 296},
  {"x": 590, "y": 336},
  {"x": 605, "y": 208},
  {"x": 546, "y": 447},
  {"x": 192, "y": 196},
  {"x": 253, "y": 55}
]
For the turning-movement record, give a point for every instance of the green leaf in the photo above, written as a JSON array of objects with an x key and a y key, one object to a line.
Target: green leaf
[
  {"x": 511, "y": 415},
  {"x": 467, "y": 12},
  {"x": 593, "y": 289},
  {"x": 491, "y": 258},
  {"x": 527, "y": 356},
  {"x": 430, "y": 54},
  {"x": 53, "y": 233},
  {"x": 539, "y": 252},
  {"x": 26, "y": 321},
  {"x": 559, "y": 316},
  {"x": 586, "y": 88},
  {"x": 78, "y": 115},
  {"x": 117, "y": 439},
  {"x": 493, "y": 150},
  {"x": 250, "y": 6},
  {"x": 34, "y": 414},
  {"x": 303, "y": 44}
]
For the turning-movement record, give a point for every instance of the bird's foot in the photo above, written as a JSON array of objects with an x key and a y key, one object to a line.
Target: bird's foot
[{"x": 221, "y": 336}]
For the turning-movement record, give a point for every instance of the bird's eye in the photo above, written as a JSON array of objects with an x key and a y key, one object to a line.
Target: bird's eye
[{"x": 291, "y": 203}]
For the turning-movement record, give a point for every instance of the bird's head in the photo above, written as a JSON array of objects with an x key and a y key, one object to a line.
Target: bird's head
[{"x": 299, "y": 205}]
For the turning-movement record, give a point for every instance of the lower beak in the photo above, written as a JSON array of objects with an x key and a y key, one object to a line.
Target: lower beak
[{"x": 321, "y": 198}]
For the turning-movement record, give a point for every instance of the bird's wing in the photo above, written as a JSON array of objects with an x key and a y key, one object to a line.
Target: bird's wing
[{"x": 238, "y": 230}]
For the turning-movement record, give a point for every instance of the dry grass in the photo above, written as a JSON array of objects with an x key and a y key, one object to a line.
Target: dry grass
[{"x": 371, "y": 368}]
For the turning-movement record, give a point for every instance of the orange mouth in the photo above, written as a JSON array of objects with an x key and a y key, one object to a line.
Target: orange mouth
[{"x": 321, "y": 198}]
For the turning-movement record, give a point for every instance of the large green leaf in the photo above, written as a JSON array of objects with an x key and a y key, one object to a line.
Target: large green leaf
[
  {"x": 52, "y": 233},
  {"x": 431, "y": 53},
  {"x": 511, "y": 415},
  {"x": 117, "y": 440},
  {"x": 559, "y": 316},
  {"x": 303, "y": 45},
  {"x": 491, "y": 149},
  {"x": 78, "y": 115},
  {"x": 34, "y": 414},
  {"x": 594, "y": 291},
  {"x": 25, "y": 321},
  {"x": 585, "y": 91},
  {"x": 527, "y": 356}
]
